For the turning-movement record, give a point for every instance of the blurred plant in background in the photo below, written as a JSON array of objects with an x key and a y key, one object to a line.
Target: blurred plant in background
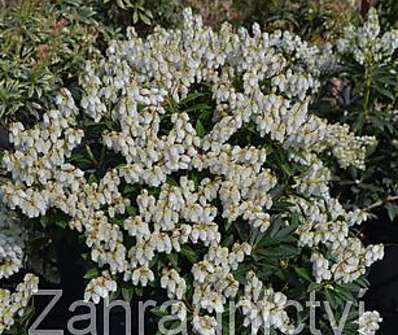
[
  {"x": 388, "y": 10},
  {"x": 43, "y": 45},
  {"x": 143, "y": 14},
  {"x": 364, "y": 94},
  {"x": 315, "y": 20}
]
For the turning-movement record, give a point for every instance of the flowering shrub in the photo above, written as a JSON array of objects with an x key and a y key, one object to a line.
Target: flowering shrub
[
  {"x": 317, "y": 21},
  {"x": 11, "y": 244},
  {"x": 366, "y": 88},
  {"x": 389, "y": 13},
  {"x": 13, "y": 304},
  {"x": 189, "y": 162}
]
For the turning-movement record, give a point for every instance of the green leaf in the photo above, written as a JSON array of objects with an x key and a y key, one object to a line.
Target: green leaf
[
  {"x": 135, "y": 17},
  {"x": 44, "y": 221},
  {"x": 121, "y": 4},
  {"x": 92, "y": 179},
  {"x": 132, "y": 211},
  {"x": 173, "y": 259},
  {"x": 189, "y": 254},
  {"x": 383, "y": 91},
  {"x": 61, "y": 223},
  {"x": 93, "y": 273},
  {"x": 114, "y": 295},
  {"x": 198, "y": 107},
  {"x": 392, "y": 210},
  {"x": 193, "y": 96},
  {"x": 139, "y": 291},
  {"x": 127, "y": 294},
  {"x": 229, "y": 241},
  {"x": 158, "y": 312},
  {"x": 200, "y": 130},
  {"x": 129, "y": 189},
  {"x": 144, "y": 18},
  {"x": 280, "y": 251},
  {"x": 303, "y": 273}
]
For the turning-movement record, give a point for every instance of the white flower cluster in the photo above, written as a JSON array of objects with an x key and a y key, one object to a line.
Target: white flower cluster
[
  {"x": 314, "y": 180},
  {"x": 14, "y": 304},
  {"x": 131, "y": 89},
  {"x": 204, "y": 325},
  {"x": 11, "y": 255},
  {"x": 367, "y": 44},
  {"x": 11, "y": 243},
  {"x": 369, "y": 323},
  {"x": 327, "y": 224},
  {"x": 214, "y": 282},
  {"x": 263, "y": 308},
  {"x": 179, "y": 309},
  {"x": 175, "y": 285},
  {"x": 347, "y": 148},
  {"x": 100, "y": 288},
  {"x": 39, "y": 159}
]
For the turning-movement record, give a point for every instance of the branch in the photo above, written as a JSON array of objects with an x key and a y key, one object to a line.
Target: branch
[{"x": 382, "y": 202}]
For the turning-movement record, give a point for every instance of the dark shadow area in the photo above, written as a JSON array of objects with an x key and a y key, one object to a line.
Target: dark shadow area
[
  {"x": 383, "y": 276},
  {"x": 72, "y": 285}
]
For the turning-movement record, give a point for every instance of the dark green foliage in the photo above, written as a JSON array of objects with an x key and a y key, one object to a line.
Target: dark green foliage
[{"x": 368, "y": 101}]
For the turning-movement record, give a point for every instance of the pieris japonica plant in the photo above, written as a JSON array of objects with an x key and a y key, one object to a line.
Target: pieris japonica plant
[
  {"x": 12, "y": 260},
  {"x": 12, "y": 246},
  {"x": 366, "y": 88},
  {"x": 189, "y": 164},
  {"x": 15, "y": 304}
]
